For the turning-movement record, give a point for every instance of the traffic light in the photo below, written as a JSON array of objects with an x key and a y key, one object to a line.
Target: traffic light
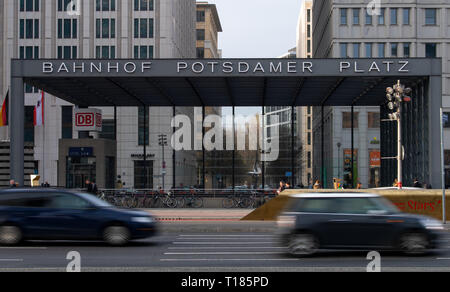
[
  {"x": 162, "y": 140},
  {"x": 395, "y": 96}
]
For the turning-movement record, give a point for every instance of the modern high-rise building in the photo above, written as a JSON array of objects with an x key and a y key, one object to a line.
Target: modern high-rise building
[
  {"x": 97, "y": 29},
  {"x": 396, "y": 29},
  {"x": 304, "y": 50}
]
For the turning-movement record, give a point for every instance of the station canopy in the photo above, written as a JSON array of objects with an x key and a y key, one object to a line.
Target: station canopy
[{"x": 223, "y": 82}]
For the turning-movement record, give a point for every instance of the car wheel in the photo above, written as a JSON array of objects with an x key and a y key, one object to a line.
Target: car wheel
[
  {"x": 10, "y": 235},
  {"x": 302, "y": 244},
  {"x": 414, "y": 243},
  {"x": 116, "y": 235}
]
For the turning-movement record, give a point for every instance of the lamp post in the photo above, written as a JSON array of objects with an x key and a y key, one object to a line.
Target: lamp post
[
  {"x": 162, "y": 143},
  {"x": 339, "y": 159},
  {"x": 396, "y": 95}
]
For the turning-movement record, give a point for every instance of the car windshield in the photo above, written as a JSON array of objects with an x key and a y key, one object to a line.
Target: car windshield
[{"x": 95, "y": 201}]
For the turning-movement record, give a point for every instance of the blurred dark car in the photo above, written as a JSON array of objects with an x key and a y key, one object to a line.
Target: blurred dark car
[
  {"x": 55, "y": 214},
  {"x": 353, "y": 221}
]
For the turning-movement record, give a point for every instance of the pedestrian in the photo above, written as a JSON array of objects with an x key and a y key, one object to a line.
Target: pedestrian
[
  {"x": 281, "y": 188},
  {"x": 395, "y": 184},
  {"x": 94, "y": 189},
  {"x": 12, "y": 183},
  {"x": 417, "y": 184},
  {"x": 317, "y": 185},
  {"x": 119, "y": 183},
  {"x": 288, "y": 186},
  {"x": 88, "y": 186},
  {"x": 359, "y": 185}
]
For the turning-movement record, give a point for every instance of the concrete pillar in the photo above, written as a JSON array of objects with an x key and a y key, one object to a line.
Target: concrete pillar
[{"x": 17, "y": 114}]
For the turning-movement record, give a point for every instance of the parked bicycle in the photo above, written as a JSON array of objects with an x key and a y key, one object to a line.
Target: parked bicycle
[{"x": 189, "y": 201}]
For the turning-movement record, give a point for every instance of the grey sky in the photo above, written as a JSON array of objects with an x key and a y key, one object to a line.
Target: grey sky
[{"x": 257, "y": 28}]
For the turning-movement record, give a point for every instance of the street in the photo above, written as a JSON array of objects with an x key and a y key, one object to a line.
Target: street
[{"x": 207, "y": 252}]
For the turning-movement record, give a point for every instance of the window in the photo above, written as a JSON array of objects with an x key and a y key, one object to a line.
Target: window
[
  {"x": 381, "y": 50},
  {"x": 394, "y": 50},
  {"x": 200, "y": 34},
  {"x": 200, "y": 53},
  {"x": 105, "y": 28},
  {"x": 143, "y": 5},
  {"x": 381, "y": 20},
  {"x": 406, "y": 49},
  {"x": 373, "y": 120},
  {"x": 446, "y": 120},
  {"x": 406, "y": 16},
  {"x": 368, "y": 18},
  {"x": 29, "y": 52},
  {"x": 347, "y": 120},
  {"x": 63, "y": 4},
  {"x": 356, "y": 16},
  {"x": 343, "y": 50},
  {"x": 308, "y": 30},
  {"x": 67, "y": 28},
  {"x": 356, "y": 205},
  {"x": 143, "y": 124},
  {"x": 66, "y": 201},
  {"x": 66, "y": 122},
  {"x": 343, "y": 12},
  {"x": 143, "y": 174},
  {"x": 29, "y": 28},
  {"x": 200, "y": 15},
  {"x": 29, "y": 124},
  {"x": 356, "y": 50},
  {"x": 105, "y": 52},
  {"x": 325, "y": 205},
  {"x": 67, "y": 52},
  {"x": 308, "y": 15},
  {"x": 309, "y": 139},
  {"x": 29, "y": 5},
  {"x": 309, "y": 159},
  {"x": 394, "y": 16},
  {"x": 143, "y": 28},
  {"x": 28, "y": 200},
  {"x": 430, "y": 16},
  {"x": 430, "y": 50},
  {"x": 369, "y": 50},
  {"x": 309, "y": 123},
  {"x": 143, "y": 52},
  {"x": 105, "y": 5},
  {"x": 108, "y": 130}
]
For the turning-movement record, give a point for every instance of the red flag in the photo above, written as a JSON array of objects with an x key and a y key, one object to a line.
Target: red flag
[{"x": 4, "y": 111}]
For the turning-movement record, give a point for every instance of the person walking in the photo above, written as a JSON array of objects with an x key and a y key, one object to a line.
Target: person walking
[
  {"x": 317, "y": 185},
  {"x": 94, "y": 188},
  {"x": 12, "y": 184},
  {"x": 417, "y": 184},
  {"x": 281, "y": 188}
]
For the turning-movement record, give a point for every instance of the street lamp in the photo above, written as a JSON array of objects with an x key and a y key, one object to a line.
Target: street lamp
[
  {"x": 396, "y": 95},
  {"x": 163, "y": 142},
  {"x": 339, "y": 159}
]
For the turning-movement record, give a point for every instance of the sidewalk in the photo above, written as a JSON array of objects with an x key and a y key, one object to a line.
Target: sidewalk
[{"x": 199, "y": 214}]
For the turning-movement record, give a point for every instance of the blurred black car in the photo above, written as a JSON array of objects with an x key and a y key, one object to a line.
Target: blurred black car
[
  {"x": 353, "y": 221},
  {"x": 55, "y": 214}
]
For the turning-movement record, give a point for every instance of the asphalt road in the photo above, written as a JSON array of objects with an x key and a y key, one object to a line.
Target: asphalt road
[{"x": 206, "y": 252}]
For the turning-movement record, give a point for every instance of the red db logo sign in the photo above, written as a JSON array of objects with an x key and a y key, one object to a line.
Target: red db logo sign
[{"x": 84, "y": 119}]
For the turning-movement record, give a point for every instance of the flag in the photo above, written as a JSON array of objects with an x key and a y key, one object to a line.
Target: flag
[
  {"x": 4, "y": 111},
  {"x": 39, "y": 112}
]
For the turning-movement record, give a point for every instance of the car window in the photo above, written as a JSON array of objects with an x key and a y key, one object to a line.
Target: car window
[
  {"x": 67, "y": 201},
  {"x": 357, "y": 205},
  {"x": 318, "y": 205},
  {"x": 24, "y": 200}
]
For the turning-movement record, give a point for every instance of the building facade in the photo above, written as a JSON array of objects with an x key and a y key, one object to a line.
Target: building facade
[
  {"x": 304, "y": 50},
  {"x": 352, "y": 28},
  {"x": 207, "y": 30},
  {"x": 141, "y": 29}
]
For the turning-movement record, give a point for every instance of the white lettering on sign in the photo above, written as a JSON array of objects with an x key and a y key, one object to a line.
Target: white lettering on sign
[{"x": 241, "y": 67}]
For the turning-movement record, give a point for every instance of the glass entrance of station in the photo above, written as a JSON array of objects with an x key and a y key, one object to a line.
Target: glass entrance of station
[{"x": 80, "y": 169}]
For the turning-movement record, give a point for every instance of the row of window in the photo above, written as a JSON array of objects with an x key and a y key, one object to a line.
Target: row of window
[
  {"x": 430, "y": 16},
  {"x": 373, "y": 120},
  {"x": 71, "y": 52},
  {"x": 29, "y": 5},
  {"x": 100, "y": 5},
  {"x": 394, "y": 50},
  {"x": 68, "y": 28}
]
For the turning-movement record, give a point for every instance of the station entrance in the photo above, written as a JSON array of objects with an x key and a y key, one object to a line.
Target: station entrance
[{"x": 241, "y": 83}]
